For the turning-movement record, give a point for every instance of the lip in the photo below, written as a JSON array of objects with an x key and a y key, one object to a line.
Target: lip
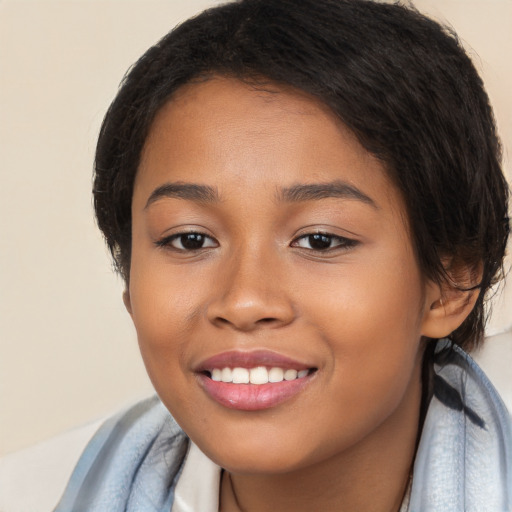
[
  {"x": 241, "y": 359},
  {"x": 252, "y": 397}
]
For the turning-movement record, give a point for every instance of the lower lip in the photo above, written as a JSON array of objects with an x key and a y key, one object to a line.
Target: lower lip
[{"x": 252, "y": 397}]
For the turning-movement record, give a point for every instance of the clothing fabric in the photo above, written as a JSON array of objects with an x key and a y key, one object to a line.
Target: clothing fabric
[
  {"x": 464, "y": 460},
  {"x": 198, "y": 485}
]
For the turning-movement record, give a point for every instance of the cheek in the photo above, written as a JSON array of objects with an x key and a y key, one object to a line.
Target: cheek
[
  {"x": 375, "y": 296},
  {"x": 370, "y": 317},
  {"x": 162, "y": 296},
  {"x": 159, "y": 312},
  {"x": 161, "y": 305}
]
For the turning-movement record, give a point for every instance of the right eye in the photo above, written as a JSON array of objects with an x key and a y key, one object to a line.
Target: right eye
[
  {"x": 187, "y": 242},
  {"x": 324, "y": 242}
]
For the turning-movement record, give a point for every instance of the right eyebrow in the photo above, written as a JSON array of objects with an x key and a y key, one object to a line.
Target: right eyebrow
[
  {"x": 190, "y": 191},
  {"x": 317, "y": 191}
]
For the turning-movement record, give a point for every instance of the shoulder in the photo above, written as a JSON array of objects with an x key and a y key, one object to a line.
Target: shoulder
[{"x": 34, "y": 479}]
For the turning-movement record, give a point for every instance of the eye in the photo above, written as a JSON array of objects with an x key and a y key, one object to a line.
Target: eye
[
  {"x": 187, "y": 241},
  {"x": 323, "y": 242}
]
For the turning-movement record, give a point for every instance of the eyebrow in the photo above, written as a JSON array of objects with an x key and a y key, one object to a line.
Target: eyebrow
[
  {"x": 293, "y": 194},
  {"x": 316, "y": 191},
  {"x": 189, "y": 191}
]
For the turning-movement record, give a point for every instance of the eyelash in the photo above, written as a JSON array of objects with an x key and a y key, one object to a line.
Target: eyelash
[
  {"x": 341, "y": 243},
  {"x": 167, "y": 241}
]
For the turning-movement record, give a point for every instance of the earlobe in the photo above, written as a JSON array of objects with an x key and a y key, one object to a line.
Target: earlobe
[{"x": 127, "y": 301}]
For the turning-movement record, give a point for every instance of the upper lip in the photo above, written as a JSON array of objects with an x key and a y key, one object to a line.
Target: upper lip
[{"x": 250, "y": 359}]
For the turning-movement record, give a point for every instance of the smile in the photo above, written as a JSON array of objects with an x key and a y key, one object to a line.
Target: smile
[{"x": 252, "y": 381}]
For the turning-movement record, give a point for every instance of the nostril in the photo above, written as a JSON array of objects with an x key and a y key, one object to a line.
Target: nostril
[{"x": 266, "y": 320}]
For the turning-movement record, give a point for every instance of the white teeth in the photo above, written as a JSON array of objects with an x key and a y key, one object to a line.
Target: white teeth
[
  {"x": 257, "y": 375},
  {"x": 290, "y": 374},
  {"x": 226, "y": 375},
  {"x": 240, "y": 376},
  {"x": 275, "y": 375}
]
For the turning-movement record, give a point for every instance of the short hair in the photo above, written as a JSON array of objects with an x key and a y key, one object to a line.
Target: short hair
[{"x": 398, "y": 80}]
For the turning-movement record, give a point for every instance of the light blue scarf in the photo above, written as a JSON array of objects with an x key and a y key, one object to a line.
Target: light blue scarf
[
  {"x": 464, "y": 460},
  {"x": 131, "y": 464}
]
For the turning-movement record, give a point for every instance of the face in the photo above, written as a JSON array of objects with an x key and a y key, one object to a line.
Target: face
[{"x": 270, "y": 247}]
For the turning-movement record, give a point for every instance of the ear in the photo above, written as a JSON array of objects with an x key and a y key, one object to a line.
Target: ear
[
  {"x": 449, "y": 303},
  {"x": 127, "y": 301}
]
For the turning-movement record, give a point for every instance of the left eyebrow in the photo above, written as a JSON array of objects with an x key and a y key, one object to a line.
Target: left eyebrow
[
  {"x": 316, "y": 191},
  {"x": 187, "y": 191}
]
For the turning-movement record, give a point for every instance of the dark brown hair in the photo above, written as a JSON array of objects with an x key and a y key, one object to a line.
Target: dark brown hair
[{"x": 401, "y": 82}]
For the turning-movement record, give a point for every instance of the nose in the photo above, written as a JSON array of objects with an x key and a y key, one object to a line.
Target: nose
[{"x": 251, "y": 295}]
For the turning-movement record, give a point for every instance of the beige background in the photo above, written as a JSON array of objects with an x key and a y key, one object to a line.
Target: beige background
[{"x": 68, "y": 353}]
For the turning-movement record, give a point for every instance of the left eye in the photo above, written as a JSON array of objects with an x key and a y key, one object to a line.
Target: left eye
[
  {"x": 322, "y": 242},
  {"x": 187, "y": 241}
]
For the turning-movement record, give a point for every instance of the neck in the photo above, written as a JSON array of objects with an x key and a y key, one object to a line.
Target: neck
[{"x": 371, "y": 476}]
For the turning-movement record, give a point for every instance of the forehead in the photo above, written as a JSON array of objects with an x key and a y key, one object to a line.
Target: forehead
[
  {"x": 207, "y": 113},
  {"x": 230, "y": 134}
]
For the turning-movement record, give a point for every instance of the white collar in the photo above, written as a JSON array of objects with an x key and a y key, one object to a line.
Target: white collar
[{"x": 198, "y": 486}]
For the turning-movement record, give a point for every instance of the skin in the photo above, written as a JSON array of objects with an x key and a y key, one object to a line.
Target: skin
[{"x": 357, "y": 312}]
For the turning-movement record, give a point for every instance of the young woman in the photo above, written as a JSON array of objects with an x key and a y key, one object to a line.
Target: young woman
[{"x": 306, "y": 203}]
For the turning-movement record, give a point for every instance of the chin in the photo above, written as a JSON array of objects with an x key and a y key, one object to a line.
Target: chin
[{"x": 255, "y": 460}]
